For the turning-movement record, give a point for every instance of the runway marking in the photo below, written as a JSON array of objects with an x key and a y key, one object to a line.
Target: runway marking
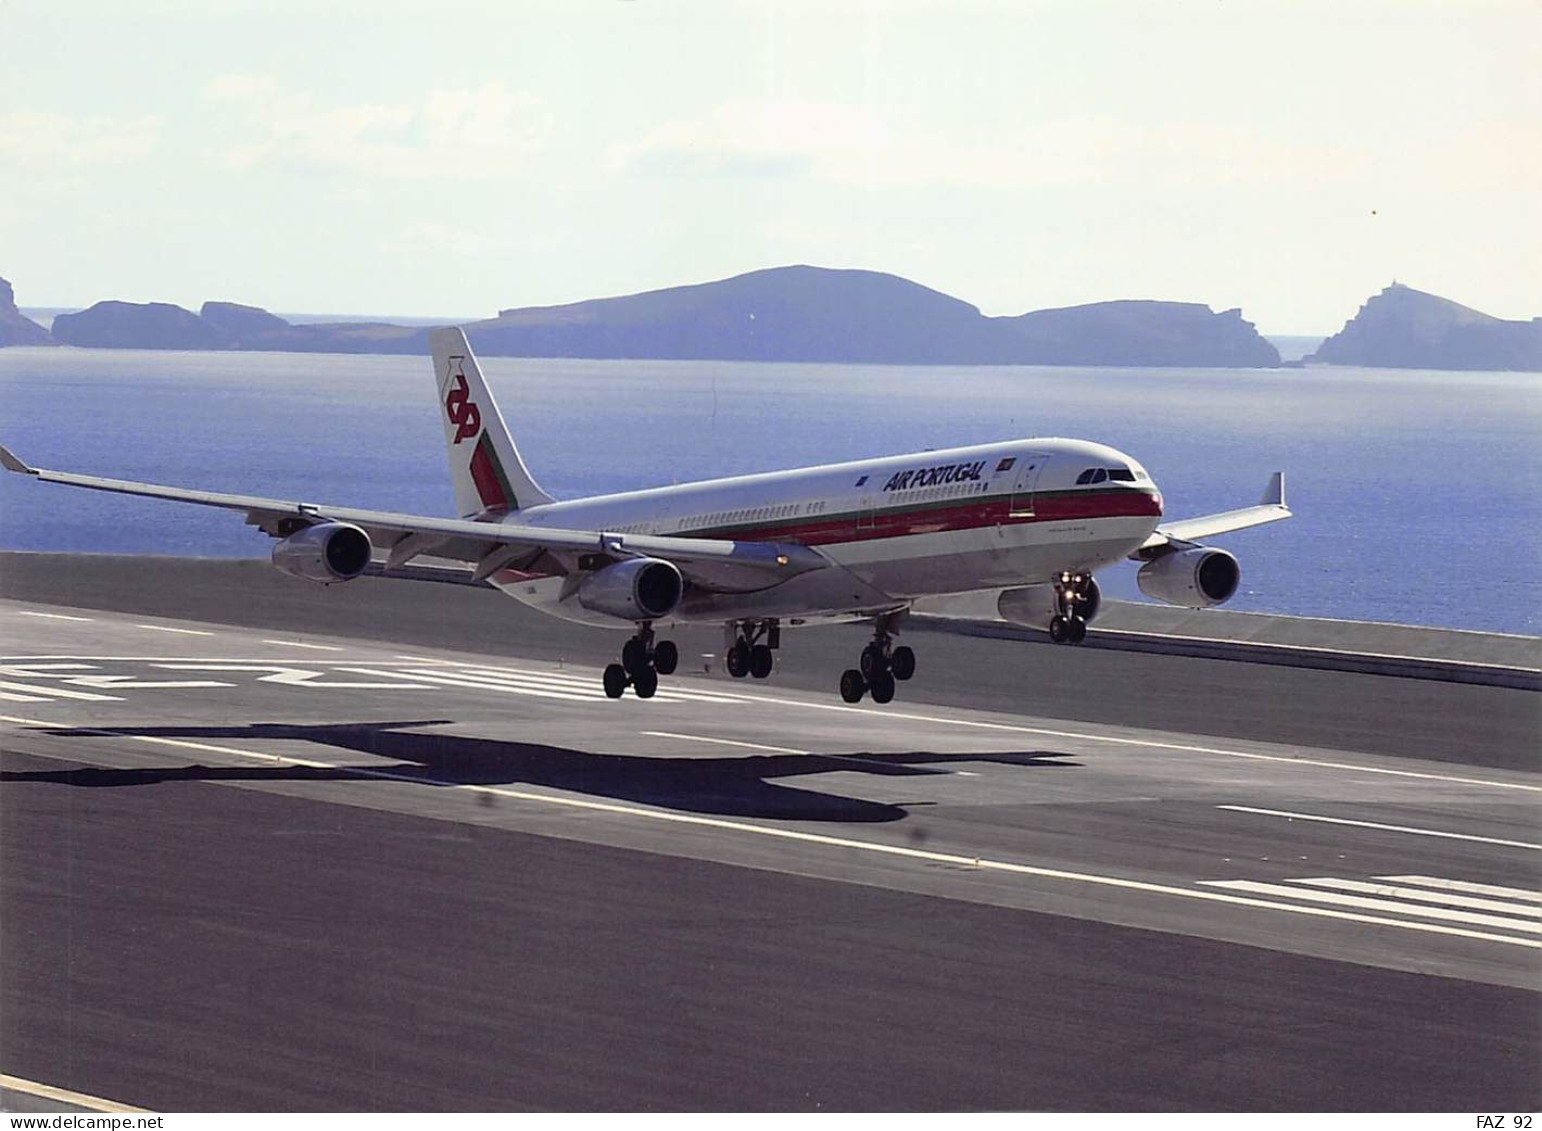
[
  {"x": 53, "y": 616},
  {"x": 298, "y": 644},
  {"x": 63, "y": 1095},
  {"x": 1463, "y": 885},
  {"x": 825, "y": 840},
  {"x": 1389, "y": 891},
  {"x": 587, "y": 685},
  {"x": 12, "y": 697},
  {"x": 57, "y": 692},
  {"x": 183, "y": 631},
  {"x": 458, "y": 682},
  {"x": 1370, "y": 904},
  {"x": 1384, "y": 828},
  {"x": 1017, "y": 728},
  {"x": 724, "y": 742}
]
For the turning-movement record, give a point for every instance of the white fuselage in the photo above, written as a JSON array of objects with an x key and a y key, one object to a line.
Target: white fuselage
[{"x": 896, "y": 528}]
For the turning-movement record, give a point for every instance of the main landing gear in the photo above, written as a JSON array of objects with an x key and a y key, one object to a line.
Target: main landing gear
[
  {"x": 642, "y": 662},
  {"x": 749, "y": 647},
  {"x": 1073, "y": 594},
  {"x": 880, "y": 666}
]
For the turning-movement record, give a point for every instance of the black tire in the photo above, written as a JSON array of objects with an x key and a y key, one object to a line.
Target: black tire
[
  {"x": 873, "y": 661},
  {"x": 633, "y": 658},
  {"x": 761, "y": 661},
  {"x": 1059, "y": 631},
  {"x": 1078, "y": 629},
  {"x": 881, "y": 687},
  {"x": 666, "y": 657},
  {"x": 739, "y": 660},
  {"x": 645, "y": 683},
  {"x": 902, "y": 663},
  {"x": 615, "y": 681},
  {"x": 853, "y": 686}
]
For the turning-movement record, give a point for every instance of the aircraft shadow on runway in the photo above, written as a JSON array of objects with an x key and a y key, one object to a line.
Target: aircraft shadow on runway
[{"x": 744, "y": 786}]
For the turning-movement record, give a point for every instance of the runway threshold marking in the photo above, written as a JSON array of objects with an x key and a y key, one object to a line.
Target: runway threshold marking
[
  {"x": 1374, "y": 904},
  {"x": 1383, "y": 828},
  {"x": 63, "y": 1095},
  {"x": 1421, "y": 895},
  {"x": 1464, "y": 885},
  {"x": 894, "y": 850}
]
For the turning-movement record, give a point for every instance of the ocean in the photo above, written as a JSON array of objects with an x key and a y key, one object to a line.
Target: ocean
[{"x": 1415, "y": 492}]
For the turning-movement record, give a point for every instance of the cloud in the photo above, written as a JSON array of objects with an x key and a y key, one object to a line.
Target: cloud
[
  {"x": 486, "y": 133},
  {"x": 36, "y": 138},
  {"x": 859, "y": 145}
]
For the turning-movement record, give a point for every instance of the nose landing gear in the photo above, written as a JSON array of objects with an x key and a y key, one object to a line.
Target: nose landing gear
[
  {"x": 1074, "y": 602},
  {"x": 642, "y": 662},
  {"x": 879, "y": 668}
]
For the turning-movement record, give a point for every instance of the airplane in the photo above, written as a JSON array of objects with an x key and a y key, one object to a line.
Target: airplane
[{"x": 852, "y": 542}]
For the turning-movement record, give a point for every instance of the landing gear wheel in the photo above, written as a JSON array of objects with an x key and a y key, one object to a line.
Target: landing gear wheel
[
  {"x": 853, "y": 686},
  {"x": 1078, "y": 630},
  {"x": 882, "y": 687},
  {"x": 633, "y": 656},
  {"x": 873, "y": 661},
  {"x": 903, "y": 663},
  {"x": 615, "y": 681},
  {"x": 761, "y": 661},
  {"x": 666, "y": 657},
  {"x": 1059, "y": 629},
  {"x": 739, "y": 660},
  {"x": 645, "y": 683}
]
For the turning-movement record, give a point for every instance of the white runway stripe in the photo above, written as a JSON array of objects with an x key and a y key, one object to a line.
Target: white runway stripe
[
  {"x": 1463, "y": 885},
  {"x": 54, "y": 616},
  {"x": 590, "y": 683},
  {"x": 298, "y": 644},
  {"x": 1381, "y": 827},
  {"x": 1381, "y": 905},
  {"x": 168, "y": 628},
  {"x": 456, "y": 681},
  {"x": 1391, "y": 891},
  {"x": 12, "y": 698},
  {"x": 57, "y": 692}
]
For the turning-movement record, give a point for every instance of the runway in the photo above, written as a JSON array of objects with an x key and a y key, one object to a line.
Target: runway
[{"x": 329, "y": 861}]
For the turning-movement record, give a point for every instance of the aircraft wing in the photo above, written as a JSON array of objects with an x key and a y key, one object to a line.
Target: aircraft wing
[
  {"x": 1271, "y": 508},
  {"x": 714, "y": 564}
]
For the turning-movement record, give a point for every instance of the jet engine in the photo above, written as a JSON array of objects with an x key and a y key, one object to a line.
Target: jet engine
[
  {"x": 1036, "y": 604},
  {"x": 1195, "y": 578},
  {"x": 635, "y": 589},
  {"x": 325, "y": 552}
]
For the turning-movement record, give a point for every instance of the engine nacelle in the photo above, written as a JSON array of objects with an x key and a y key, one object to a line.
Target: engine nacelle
[
  {"x": 1196, "y": 578},
  {"x": 1035, "y": 604},
  {"x": 635, "y": 589},
  {"x": 325, "y": 552}
]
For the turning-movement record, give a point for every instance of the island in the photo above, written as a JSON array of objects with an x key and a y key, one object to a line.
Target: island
[
  {"x": 792, "y": 314},
  {"x": 16, "y": 329},
  {"x": 1407, "y": 329}
]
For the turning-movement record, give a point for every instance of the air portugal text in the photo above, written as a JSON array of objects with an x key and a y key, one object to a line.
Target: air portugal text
[{"x": 935, "y": 476}]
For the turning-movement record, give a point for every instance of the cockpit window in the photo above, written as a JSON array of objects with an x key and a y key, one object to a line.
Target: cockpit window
[
  {"x": 1085, "y": 477},
  {"x": 1122, "y": 474}
]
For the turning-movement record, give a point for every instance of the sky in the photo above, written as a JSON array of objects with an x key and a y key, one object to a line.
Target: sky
[{"x": 451, "y": 159}]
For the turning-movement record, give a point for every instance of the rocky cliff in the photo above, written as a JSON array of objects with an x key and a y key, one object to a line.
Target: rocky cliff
[
  {"x": 16, "y": 329},
  {"x": 803, "y": 314},
  {"x": 1408, "y": 329}
]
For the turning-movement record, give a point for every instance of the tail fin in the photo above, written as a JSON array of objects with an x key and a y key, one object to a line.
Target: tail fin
[{"x": 489, "y": 475}]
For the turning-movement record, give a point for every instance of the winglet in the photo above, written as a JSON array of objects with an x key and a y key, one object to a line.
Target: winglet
[
  {"x": 1274, "y": 494},
  {"x": 12, "y": 463}
]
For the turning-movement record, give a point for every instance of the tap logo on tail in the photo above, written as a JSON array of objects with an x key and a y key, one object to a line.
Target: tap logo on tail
[{"x": 463, "y": 411}]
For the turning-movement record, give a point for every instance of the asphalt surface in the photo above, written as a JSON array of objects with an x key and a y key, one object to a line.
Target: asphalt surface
[{"x": 392, "y": 851}]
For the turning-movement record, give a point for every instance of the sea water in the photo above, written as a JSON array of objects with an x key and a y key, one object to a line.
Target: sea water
[{"x": 1415, "y": 492}]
